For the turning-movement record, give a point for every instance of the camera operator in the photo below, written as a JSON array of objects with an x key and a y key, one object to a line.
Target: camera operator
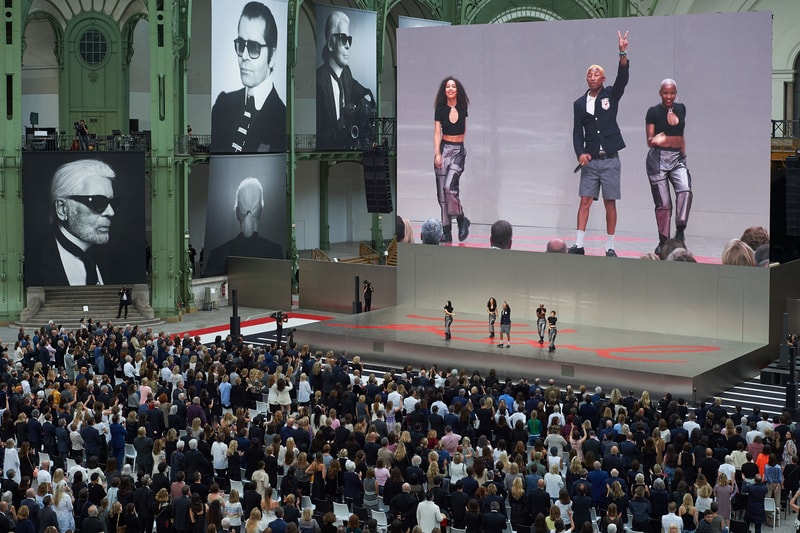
[
  {"x": 82, "y": 131},
  {"x": 280, "y": 317}
]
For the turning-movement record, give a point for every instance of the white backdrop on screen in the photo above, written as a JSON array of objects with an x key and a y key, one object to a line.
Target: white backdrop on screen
[
  {"x": 522, "y": 80},
  {"x": 224, "y": 29}
]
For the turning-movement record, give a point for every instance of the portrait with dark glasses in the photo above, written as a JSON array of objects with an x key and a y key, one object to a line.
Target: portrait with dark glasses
[
  {"x": 89, "y": 235},
  {"x": 253, "y": 118},
  {"x": 345, "y": 107}
]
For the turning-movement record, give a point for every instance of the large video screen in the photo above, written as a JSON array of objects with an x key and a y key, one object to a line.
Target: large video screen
[
  {"x": 524, "y": 82},
  {"x": 346, "y": 78},
  {"x": 247, "y": 210},
  {"x": 84, "y": 218},
  {"x": 248, "y": 76}
]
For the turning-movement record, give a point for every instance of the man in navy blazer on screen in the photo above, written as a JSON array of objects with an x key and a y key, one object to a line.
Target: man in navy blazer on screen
[
  {"x": 597, "y": 140},
  {"x": 252, "y": 119}
]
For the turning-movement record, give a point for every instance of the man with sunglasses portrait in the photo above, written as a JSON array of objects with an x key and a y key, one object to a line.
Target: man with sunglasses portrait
[
  {"x": 337, "y": 91},
  {"x": 252, "y": 119},
  {"x": 82, "y": 208}
]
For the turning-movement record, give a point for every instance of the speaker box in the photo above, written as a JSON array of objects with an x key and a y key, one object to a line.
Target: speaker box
[
  {"x": 133, "y": 125},
  {"x": 377, "y": 185}
]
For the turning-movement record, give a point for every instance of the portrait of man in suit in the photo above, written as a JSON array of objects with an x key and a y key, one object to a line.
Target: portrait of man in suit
[
  {"x": 82, "y": 210},
  {"x": 253, "y": 118},
  {"x": 341, "y": 100},
  {"x": 84, "y": 218}
]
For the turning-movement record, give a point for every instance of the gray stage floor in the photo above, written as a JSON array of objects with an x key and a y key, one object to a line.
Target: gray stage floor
[{"x": 585, "y": 355}]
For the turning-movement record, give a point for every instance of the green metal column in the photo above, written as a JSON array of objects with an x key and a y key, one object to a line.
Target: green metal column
[
  {"x": 291, "y": 163},
  {"x": 324, "y": 222},
  {"x": 182, "y": 26},
  {"x": 618, "y": 8},
  {"x": 382, "y": 8},
  {"x": 11, "y": 245},
  {"x": 168, "y": 212}
]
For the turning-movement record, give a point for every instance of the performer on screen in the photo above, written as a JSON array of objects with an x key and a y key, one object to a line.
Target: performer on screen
[
  {"x": 666, "y": 162},
  {"x": 505, "y": 325},
  {"x": 552, "y": 330},
  {"x": 541, "y": 321},
  {"x": 596, "y": 139},
  {"x": 448, "y": 319},
  {"x": 491, "y": 309},
  {"x": 449, "y": 154}
]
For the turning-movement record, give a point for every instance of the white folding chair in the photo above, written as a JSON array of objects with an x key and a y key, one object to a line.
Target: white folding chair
[
  {"x": 130, "y": 454},
  {"x": 238, "y": 485},
  {"x": 769, "y": 507},
  {"x": 305, "y": 502},
  {"x": 44, "y": 457},
  {"x": 262, "y": 407},
  {"x": 383, "y": 524},
  {"x": 341, "y": 511}
]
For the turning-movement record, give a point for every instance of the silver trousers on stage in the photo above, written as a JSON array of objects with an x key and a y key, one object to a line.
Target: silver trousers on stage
[
  {"x": 447, "y": 180},
  {"x": 447, "y": 321},
  {"x": 541, "y": 325},
  {"x": 551, "y": 336},
  {"x": 665, "y": 167}
]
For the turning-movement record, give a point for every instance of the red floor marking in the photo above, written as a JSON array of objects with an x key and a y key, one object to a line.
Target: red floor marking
[
  {"x": 605, "y": 353},
  {"x": 247, "y": 323}
]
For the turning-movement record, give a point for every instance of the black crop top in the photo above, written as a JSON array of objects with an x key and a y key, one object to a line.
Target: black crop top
[
  {"x": 657, "y": 115},
  {"x": 443, "y": 116}
]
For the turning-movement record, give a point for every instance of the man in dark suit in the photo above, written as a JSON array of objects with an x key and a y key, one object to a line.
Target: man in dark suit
[
  {"x": 755, "y": 513},
  {"x": 252, "y": 119},
  {"x": 180, "y": 509},
  {"x": 248, "y": 243},
  {"x": 494, "y": 521},
  {"x": 596, "y": 138},
  {"x": 145, "y": 504},
  {"x": 47, "y": 516},
  {"x": 82, "y": 208},
  {"x": 538, "y": 500},
  {"x": 124, "y": 300},
  {"x": 33, "y": 506},
  {"x": 336, "y": 89},
  {"x": 92, "y": 523}
]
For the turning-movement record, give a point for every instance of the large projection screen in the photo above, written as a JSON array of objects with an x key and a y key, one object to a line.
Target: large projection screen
[
  {"x": 247, "y": 210},
  {"x": 522, "y": 80},
  {"x": 91, "y": 201},
  {"x": 234, "y": 76}
]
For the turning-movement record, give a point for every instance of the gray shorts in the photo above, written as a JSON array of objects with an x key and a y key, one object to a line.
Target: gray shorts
[
  {"x": 601, "y": 173},
  {"x": 505, "y": 328}
]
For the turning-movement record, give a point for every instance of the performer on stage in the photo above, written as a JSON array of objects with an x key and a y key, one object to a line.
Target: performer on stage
[
  {"x": 448, "y": 319},
  {"x": 666, "y": 162},
  {"x": 597, "y": 139},
  {"x": 505, "y": 325},
  {"x": 449, "y": 154},
  {"x": 552, "y": 330},
  {"x": 491, "y": 308},
  {"x": 541, "y": 321}
]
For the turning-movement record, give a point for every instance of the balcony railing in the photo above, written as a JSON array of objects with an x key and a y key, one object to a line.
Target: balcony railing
[{"x": 785, "y": 129}]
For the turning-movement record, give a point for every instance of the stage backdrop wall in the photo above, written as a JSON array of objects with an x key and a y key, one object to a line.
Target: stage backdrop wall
[
  {"x": 522, "y": 80},
  {"x": 261, "y": 282},
  {"x": 713, "y": 301},
  {"x": 122, "y": 258},
  {"x": 327, "y": 286}
]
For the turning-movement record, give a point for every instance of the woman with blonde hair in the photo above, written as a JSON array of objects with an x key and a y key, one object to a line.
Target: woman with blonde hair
[
  {"x": 252, "y": 524},
  {"x": 62, "y": 505},
  {"x": 116, "y": 518},
  {"x": 688, "y": 513}
]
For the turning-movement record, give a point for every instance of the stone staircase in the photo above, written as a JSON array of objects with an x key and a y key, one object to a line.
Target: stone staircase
[{"x": 64, "y": 306}]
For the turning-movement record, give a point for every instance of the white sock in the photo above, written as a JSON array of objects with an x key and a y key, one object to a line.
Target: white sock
[
  {"x": 609, "y": 242},
  {"x": 580, "y": 234}
]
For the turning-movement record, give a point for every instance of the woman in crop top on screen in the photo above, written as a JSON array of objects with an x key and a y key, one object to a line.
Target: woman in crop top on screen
[
  {"x": 449, "y": 154},
  {"x": 666, "y": 162}
]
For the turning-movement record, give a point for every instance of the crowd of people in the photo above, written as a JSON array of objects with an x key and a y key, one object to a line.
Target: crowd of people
[{"x": 122, "y": 430}]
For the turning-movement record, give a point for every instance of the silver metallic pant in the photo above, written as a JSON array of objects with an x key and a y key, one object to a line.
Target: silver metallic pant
[
  {"x": 664, "y": 167},
  {"x": 447, "y": 180}
]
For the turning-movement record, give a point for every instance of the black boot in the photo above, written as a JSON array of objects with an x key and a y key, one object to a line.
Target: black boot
[
  {"x": 447, "y": 336},
  {"x": 679, "y": 236},
  {"x": 447, "y": 234},
  {"x": 463, "y": 228}
]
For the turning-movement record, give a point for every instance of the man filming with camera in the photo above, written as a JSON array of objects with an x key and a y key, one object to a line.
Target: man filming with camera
[{"x": 82, "y": 131}]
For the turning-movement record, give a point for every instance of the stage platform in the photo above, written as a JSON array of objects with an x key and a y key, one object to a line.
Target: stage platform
[{"x": 685, "y": 366}]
